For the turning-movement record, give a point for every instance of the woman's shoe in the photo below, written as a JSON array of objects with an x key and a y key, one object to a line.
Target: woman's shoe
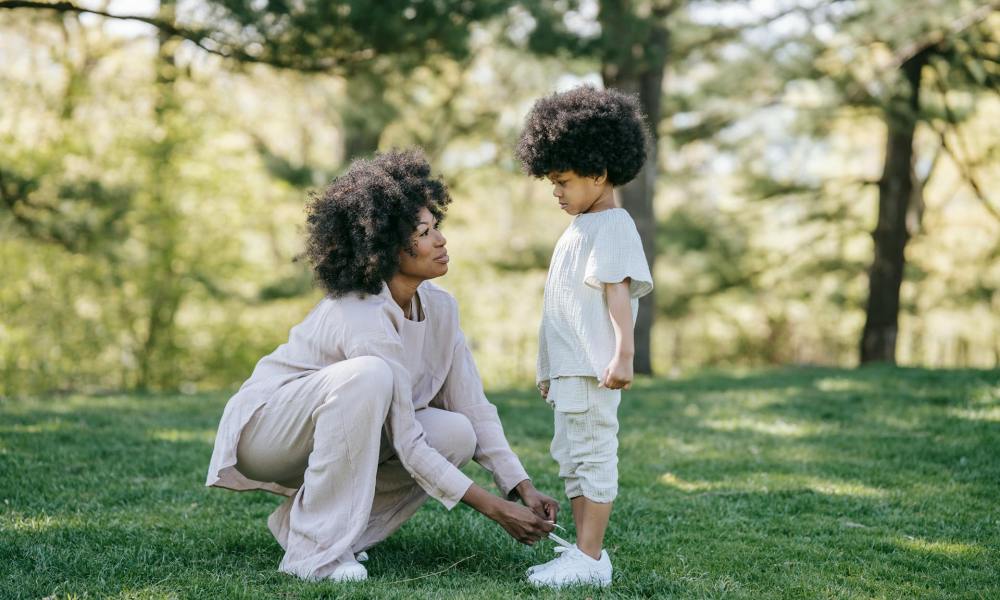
[{"x": 349, "y": 570}]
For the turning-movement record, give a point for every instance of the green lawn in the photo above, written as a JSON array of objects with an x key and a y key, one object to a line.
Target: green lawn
[{"x": 794, "y": 484}]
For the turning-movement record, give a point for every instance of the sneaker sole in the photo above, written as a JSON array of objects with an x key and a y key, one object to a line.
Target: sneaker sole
[{"x": 602, "y": 583}]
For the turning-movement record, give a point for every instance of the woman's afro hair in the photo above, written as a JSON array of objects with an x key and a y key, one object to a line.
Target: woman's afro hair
[
  {"x": 585, "y": 130},
  {"x": 364, "y": 218}
]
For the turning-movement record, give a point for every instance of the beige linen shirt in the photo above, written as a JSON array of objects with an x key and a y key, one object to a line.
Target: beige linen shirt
[{"x": 443, "y": 375}]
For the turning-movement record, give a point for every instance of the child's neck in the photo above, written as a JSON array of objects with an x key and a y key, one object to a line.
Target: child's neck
[{"x": 605, "y": 201}]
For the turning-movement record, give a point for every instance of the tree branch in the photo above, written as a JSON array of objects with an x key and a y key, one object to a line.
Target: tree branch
[
  {"x": 198, "y": 36},
  {"x": 940, "y": 35},
  {"x": 865, "y": 89},
  {"x": 964, "y": 168},
  {"x": 721, "y": 35}
]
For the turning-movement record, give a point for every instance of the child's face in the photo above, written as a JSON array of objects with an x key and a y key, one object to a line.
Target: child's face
[{"x": 576, "y": 194}]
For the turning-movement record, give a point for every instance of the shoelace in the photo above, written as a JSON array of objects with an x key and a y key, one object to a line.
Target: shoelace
[{"x": 563, "y": 544}]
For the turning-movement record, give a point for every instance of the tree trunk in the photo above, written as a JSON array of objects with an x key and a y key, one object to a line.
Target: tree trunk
[
  {"x": 163, "y": 290},
  {"x": 366, "y": 114},
  {"x": 636, "y": 66},
  {"x": 896, "y": 188}
]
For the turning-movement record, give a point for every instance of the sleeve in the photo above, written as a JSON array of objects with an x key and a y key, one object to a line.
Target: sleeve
[
  {"x": 616, "y": 255},
  {"x": 462, "y": 392},
  {"x": 432, "y": 472},
  {"x": 542, "y": 363}
]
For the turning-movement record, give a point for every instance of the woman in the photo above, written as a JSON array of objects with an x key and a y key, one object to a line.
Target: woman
[{"x": 374, "y": 402}]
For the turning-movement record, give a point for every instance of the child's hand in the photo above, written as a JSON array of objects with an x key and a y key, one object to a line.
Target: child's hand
[
  {"x": 543, "y": 389},
  {"x": 618, "y": 375}
]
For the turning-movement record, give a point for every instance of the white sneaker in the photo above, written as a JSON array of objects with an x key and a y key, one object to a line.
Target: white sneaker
[
  {"x": 559, "y": 550},
  {"x": 574, "y": 568},
  {"x": 349, "y": 570}
]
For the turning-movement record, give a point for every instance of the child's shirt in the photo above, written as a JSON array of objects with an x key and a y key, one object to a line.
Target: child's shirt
[{"x": 576, "y": 336}]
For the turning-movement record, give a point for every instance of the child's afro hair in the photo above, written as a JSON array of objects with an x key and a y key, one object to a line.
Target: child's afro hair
[
  {"x": 585, "y": 130},
  {"x": 357, "y": 227}
]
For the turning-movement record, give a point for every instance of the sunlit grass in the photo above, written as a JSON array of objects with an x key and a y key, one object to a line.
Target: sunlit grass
[{"x": 785, "y": 484}]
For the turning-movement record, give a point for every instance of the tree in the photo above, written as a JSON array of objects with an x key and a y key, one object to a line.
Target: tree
[
  {"x": 370, "y": 44},
  {"x": 899, "y": 187},
  {"x": 932, "y": 52}
]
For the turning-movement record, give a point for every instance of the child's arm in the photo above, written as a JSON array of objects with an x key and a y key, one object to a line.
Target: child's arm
[{"x": 619, "y": 372}]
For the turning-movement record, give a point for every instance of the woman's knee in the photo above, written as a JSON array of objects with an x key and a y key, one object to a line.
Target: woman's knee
[
  {"x": 373, "y": 368},
  {"x": 452, "y": 435},
  {"x": 358, "y": 390},
  {"x": 367, "y": 375}
]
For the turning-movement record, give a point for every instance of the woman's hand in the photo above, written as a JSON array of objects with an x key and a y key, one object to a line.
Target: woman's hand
[
  {"x": 521, "y": 522},
  {"x": 539, "y": 503},
  {"x": 543, "y": 388}
]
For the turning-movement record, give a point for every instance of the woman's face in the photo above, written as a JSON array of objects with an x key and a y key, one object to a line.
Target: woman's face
[{"x": 427, "y": 257}]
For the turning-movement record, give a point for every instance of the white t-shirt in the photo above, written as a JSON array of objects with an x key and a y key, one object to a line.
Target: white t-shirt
[{"x": 576, "y": 337}]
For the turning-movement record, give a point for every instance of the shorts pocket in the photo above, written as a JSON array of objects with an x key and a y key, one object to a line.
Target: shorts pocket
[{"x": 568, "y": 394}]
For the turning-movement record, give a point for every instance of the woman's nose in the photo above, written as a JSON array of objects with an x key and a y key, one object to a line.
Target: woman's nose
[{"x": 441, "y": 239}]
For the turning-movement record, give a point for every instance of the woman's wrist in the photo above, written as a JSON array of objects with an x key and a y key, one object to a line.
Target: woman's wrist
[
  {"x": 494, "y": 507},
  {"x": 523, "y": 488},
  {"x": 483, "y": 501}
]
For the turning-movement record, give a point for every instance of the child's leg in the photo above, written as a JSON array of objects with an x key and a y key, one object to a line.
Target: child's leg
[
  {"x": 593, "y": 436},
  {"x": 591, "y": 522},
  {"x": 578, "y": 508},
  {"x": 585, "y": 445}
]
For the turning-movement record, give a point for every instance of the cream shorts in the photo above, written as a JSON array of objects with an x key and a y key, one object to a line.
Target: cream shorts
[{"x": 585, "y": 443}]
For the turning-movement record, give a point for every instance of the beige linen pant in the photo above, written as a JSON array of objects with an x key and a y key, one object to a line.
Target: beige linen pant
[
  {"x": 324, "y": 434},
  {"x": 585, "y": 439}
]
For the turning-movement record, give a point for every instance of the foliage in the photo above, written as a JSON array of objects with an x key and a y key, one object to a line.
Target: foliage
[{"x": 765, "y": 198}]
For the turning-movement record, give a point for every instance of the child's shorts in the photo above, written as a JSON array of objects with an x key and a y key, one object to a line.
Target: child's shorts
[{"x": 585, "y": 443}]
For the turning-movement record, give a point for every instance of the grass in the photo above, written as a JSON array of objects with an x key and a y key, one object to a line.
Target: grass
[{"x": 813, "y": 483}]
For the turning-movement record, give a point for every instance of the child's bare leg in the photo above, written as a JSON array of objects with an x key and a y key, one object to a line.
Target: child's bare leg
[
  {"x": 576, "y": 505},
  {"x": 591, "y": 520}
]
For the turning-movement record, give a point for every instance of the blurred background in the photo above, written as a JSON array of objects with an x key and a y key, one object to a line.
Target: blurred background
[{"x": 824, "y": 188}]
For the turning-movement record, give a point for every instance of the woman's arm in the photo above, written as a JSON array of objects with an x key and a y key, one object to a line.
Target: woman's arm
[
  {"x": 462, "y": 392},
  {"x": 619, "y": 374},
  {"x": 519, "y": 521}
]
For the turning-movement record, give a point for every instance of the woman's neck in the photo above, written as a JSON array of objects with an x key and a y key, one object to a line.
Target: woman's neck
[{"x": 402, "y": 289}]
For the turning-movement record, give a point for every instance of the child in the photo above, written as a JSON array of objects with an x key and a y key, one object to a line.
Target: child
[{"x": 587, "y": 142}]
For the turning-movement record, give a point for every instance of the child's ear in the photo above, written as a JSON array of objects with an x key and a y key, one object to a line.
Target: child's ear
[{"x": 601, "y": 179}]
